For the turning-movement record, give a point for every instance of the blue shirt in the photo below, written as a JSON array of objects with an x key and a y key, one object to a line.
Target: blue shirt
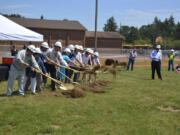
[
  {"x": 41, "y": 64},
  {"x": 66, "y": 58},
  {"x": 156, "y": 55},
  {"x": 43, "y": 57},
  {"x": 72, "y": 55}
]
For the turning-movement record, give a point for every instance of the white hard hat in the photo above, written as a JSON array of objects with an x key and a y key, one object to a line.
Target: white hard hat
[
  {"x": 37, "y": 50},
  {"x": 96, "y": 54},
  {"x": 45, "y": 45},
  {"x": 81, "y": 47},
  {"x": 89, "y": 50},
  {"x": 71, "y": 47},
  {"x": 77, "y": 47},
  {"x": 172, "y": 50},
  {"x": 158, "y": 46},
  {"x": 58, "y": 44},
  {"x": 67, "y": 50},
  {"x": 31, "y": 48}
]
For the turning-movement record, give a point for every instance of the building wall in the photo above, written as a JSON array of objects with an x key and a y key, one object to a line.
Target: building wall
[
  {"x": 51, "y": 36},
  {"x": 66, "y": 36},
  {"x": 104, "y": 43}
]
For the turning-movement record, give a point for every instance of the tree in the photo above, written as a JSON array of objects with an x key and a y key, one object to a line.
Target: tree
[
  {"x": 131, "y": 33},
  {"x": 13, "y": 15},
  {"x": 42, "y": 17},
  {"x": 124, "y": 30},
  {"x": 111, "y": 25},
  {"x": 177, "y": 32},
  {"x": 65, "y": 19}
]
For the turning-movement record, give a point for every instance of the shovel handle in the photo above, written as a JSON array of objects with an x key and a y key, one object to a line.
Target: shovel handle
[{"x": 36, "y": 70}]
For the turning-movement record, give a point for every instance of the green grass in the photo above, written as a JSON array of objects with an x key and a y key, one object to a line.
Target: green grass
[{"x": 129, "y": 107}]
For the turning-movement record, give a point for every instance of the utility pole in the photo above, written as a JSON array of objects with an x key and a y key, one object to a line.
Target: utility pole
[{"x": 95, "y": 33}]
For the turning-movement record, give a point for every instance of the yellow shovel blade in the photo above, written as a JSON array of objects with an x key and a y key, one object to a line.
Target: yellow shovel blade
[{"x": 66, "y": 86}]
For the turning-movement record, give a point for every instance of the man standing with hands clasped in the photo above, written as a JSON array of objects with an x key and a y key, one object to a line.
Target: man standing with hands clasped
[{"x": 156, "y": 57}]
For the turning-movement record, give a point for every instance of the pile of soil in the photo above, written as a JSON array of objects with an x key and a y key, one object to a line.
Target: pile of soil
[
  {"x": 79, "y": 90},
  {"x": 94, "y": 86},
  {"x": 109, "y": 62},
  {"x": 112, "y": 62},
  {"x": 170, "y": 109},
  {"x": 74, "y": 93}
]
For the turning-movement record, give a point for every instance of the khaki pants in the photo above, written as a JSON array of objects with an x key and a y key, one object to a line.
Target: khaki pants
[{"x": 13, "y": 75}]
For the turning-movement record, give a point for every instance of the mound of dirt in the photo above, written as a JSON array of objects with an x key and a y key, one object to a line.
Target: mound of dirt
[
  {"x": 79, "y": 90},
  {"x": 94, "y": 86},
  {"x": 109, "y": 62},
  {"x": 170, "y": 109},
  {"x": 75, "y": 93}
]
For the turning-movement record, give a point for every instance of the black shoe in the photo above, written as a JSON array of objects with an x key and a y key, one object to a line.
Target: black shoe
[
  {"x": 53, "y": 89},
  {"x": 22, "y": 95}
]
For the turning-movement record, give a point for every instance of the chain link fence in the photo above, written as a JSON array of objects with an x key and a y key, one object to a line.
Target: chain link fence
[{"x": 142, "y": 54}]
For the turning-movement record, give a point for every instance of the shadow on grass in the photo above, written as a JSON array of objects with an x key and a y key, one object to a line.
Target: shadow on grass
[{"x": 14, "y": 93}]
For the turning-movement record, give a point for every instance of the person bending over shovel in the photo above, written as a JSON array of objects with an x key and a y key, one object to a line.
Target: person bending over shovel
[
  {"x": 17, "y": 71},
  {"x": 32, "y": 76},
  {"x": 55, "y": 56}
]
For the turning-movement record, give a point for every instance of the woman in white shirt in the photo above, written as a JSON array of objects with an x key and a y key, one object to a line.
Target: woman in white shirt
[
  {"x": 96, "y": 62},
  {"x": 86, "y": 59}
]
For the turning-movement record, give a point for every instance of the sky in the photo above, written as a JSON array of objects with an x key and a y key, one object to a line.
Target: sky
[{"x": 126, "y": 12}]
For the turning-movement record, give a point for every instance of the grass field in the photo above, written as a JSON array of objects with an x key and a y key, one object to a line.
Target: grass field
[{"x": 129, "y": 107}]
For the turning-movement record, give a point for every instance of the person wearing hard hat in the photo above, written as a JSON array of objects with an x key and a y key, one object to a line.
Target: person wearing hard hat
[
  {"x": 86, "y": 58},
  {"x": 71, "y": 47},
  {"x": 32, "y": 76},
  {"x": 62, "y": 70},
  {"x": 44, "y": 49},
  {"x": 17, "y": 71},
  {"x": 171, "y": 60},
  {"x": 90, "y": 62},
  {"x": 73, "y": 57},
  {"x": 96, "y": 62},
  {"x": 55, "y": 56},
  {"x": 156, "y": 57},
  {"x": 132, "y": 56},
  {"x": 78, "y": 61},
  {"x": 79, "y": 57}
]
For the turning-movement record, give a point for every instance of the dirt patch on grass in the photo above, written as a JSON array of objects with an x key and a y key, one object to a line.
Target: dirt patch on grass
[
  {"x": 55, "y": 126},
  {"x": 79, "y": 90},
  {"x": 94, "y": 86},
  {"x": 75, "y": 93},
  {"x": 170, "y": 109},
  {"x": 52, "y": 94}
]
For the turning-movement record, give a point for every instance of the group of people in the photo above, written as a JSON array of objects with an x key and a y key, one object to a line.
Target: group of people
[
  {"x": 156, "y": 57},
  {"x": 61, "y": 65}
]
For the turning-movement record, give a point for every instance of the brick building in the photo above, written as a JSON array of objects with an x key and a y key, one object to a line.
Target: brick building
[
  {"x": 104, "y": 39},
  {"x": 69, "y": 32}
]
